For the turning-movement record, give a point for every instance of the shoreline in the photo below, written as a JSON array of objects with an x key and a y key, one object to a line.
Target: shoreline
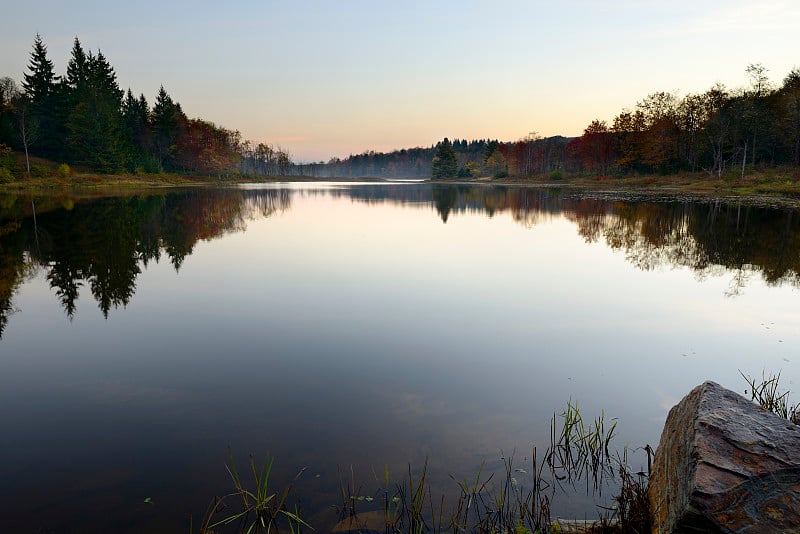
[{"x": 771, "y": 187}]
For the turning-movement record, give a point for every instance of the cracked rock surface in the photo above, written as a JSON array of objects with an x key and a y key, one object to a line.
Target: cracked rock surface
[{"x": 724, "y": 465}]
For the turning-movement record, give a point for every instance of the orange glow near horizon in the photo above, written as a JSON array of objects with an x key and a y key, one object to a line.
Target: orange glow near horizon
[{"x": 345, "y": 78}]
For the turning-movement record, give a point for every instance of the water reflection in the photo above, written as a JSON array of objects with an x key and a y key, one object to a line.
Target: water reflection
[
  {"x": 104, "y": 243},
  {"x": 356, "y": 324}
]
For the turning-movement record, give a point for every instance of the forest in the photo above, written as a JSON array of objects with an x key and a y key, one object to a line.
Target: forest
[
  {"x": 720, "y": 132},
  {"x": 84, "y": 119}
]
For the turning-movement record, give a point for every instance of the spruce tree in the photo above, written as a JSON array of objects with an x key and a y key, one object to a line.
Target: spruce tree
[
  {"x": 40, "y": 81},
  {"x": 445, "y": 163},
  {"x": 166, "y": 122},
  {"x": 43, "y": 91},
  {"x": 135, "y": 115},
  {"x": 78, "y": 72},
  {"x": 96, "y": 134}
]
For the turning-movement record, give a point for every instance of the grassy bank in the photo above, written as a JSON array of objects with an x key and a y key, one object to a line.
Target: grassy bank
[
  {"x": 782, "y": 182},
  {"x": 49, "y": 176}
]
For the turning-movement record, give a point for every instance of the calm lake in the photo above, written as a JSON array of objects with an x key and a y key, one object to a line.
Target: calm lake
[{"x": 353, "y": 327}]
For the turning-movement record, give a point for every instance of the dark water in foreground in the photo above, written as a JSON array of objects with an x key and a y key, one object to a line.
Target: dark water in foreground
[{"x": 357, "y": 325}]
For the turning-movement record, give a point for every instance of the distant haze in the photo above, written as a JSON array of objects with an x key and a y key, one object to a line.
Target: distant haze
[{"x": 324, "y": 79}]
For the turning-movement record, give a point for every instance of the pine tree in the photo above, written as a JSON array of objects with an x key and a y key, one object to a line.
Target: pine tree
[
  {"x": 40, "y": 81},
  {"x": 445, "y": 163}
]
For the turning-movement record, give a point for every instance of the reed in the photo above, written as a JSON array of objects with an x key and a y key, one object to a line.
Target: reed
[
  {"x": 767, "y": 392},
  {"x": 517, "y": 501},
  {"x": 260, "y": 508}
]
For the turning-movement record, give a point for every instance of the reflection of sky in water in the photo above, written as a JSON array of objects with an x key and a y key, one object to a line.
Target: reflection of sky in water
[{"x": 337, "y": 333}]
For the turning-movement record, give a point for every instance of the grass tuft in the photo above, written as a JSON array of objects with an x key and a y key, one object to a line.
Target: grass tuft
[
  {"x": 261, "y": 508},
  {"x": 768, "y": 394}
]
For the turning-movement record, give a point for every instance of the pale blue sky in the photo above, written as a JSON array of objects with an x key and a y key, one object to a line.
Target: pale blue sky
[{"x": 326, "y": 79}]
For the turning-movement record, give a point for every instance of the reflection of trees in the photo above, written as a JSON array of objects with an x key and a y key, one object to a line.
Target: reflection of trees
[
  {"x": 103, "y": 244},
  {"x": 444, "y": 199},
  {"x": 711, "y": 238},
  {"x": 15, "y": 266}
]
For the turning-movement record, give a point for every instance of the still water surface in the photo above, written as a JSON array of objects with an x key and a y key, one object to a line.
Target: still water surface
[{"x": 363, "y": 325}]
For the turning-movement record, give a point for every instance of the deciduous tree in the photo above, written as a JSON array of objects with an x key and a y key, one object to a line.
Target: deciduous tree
[
  {"x": 789, "y": 99},
  {"x": 597, "y": 147}
]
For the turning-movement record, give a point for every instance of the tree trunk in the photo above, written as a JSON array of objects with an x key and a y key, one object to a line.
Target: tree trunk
[{"x": 744, "y": 158}]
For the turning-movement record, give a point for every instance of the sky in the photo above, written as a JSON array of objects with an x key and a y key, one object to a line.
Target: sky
[{"x": 326, "y": 79}]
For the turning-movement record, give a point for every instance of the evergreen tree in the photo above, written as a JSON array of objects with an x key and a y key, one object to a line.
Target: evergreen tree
[
  {"x": 40, "y": 81},
  {"x": 96, "y": 134},
  {"x": 43, "y": 91},
  {"x": 166, "y": 122},
  {"x": 135, "y": 115},
  {"x": 78, "y": 73},
  {"x": 489, "y": 149},
  {"x": 445, "y": 163}
]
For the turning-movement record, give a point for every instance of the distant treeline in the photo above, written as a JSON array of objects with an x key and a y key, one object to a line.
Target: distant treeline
[
  {"x": 83, "y": 118},
  {"x": 719, "y": 131},
  {"x": 483, "y": 157}
]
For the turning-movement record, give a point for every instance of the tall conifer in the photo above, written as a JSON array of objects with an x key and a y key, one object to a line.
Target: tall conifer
[
  {"x": 40, "y": 81},
  {"x": 445, "y": 163}
]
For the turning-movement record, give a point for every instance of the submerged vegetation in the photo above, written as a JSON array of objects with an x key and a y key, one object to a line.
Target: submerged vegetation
[
  {"x": 517, "y": 499},
  {"x": 261, "y": 508}
]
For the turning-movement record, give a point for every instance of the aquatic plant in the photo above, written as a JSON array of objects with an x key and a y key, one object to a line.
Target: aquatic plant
[
  {"x": 578, "y": 451},
  {"x": 768, "y": 394},
  {"x": 262, "y": 509},
  {"x": 518, "y": 502}
]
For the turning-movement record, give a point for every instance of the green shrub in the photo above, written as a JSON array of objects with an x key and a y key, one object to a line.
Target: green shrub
[
  {"x": 556, "y": 174},
  {"x": 5, "y": 176},
  {"x": 501, "y": 174},
  {"x": 6, "y": 157},
  {"x": 64, "y": 171},
  {"x": 39, "y": 171}
]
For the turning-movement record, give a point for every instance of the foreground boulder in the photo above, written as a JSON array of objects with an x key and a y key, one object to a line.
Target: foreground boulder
[{"x": 724, "y": 464}]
